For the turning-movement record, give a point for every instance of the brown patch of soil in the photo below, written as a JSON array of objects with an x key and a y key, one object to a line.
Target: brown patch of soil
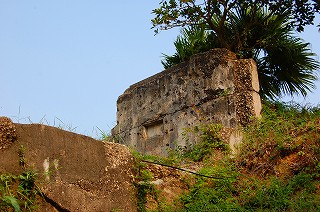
[
  {"x": 292, "y": 164},
  {"x": 169, "y": 184}
]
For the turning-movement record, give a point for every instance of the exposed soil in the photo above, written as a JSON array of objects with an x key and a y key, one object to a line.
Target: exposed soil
[{"x": 170, "y": 184}]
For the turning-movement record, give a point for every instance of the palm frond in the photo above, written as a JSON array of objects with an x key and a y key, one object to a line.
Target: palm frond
[{"x": 285, "y": 63}]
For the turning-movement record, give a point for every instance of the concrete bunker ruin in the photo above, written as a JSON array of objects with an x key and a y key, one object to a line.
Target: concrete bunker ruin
[{"x": 153, "y": 113}]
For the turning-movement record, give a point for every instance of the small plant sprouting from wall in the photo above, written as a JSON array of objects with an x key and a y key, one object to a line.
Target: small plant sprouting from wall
[
  {"x": 18, "y": 192},
  {"x": 21, "y": 154},
  {"x": 108, "y": 137}
]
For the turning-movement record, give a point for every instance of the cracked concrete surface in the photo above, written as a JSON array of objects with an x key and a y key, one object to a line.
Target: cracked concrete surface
[{"x": 213, "y": 86}]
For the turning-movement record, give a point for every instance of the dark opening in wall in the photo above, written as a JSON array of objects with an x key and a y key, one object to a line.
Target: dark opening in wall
[{"x": 153, "y": 129}]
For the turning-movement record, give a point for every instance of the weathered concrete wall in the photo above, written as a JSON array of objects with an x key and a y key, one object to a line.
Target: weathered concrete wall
[
  {"x": 152, "y": 114},
  {"x": 77, "y": 173}
]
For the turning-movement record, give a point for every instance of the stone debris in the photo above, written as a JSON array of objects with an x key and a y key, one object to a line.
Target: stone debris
[{"x": 7, "y": 132}]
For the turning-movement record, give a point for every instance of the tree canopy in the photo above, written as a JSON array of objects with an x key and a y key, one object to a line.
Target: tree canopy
[
  {"x": 214, "y": 14},
  {"x": 173, "y": 13},
  {"x": 285, "y": 63}
]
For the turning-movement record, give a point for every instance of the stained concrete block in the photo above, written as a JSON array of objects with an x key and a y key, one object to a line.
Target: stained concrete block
[{"x": 215, "y": 85}]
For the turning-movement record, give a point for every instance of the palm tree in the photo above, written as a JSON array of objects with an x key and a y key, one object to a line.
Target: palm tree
[
  {"x": 192, "y": 41},
  {"x": 285, "y": 63}
]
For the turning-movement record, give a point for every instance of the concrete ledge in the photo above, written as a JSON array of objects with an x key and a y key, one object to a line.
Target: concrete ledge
[{"x": 76, "y": 172}]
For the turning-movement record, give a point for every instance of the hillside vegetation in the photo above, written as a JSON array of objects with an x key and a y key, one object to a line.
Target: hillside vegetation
[{"x": 276, "y": 168}]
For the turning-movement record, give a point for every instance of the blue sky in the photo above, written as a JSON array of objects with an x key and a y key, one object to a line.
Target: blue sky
[{"x": 65, "y": 62}]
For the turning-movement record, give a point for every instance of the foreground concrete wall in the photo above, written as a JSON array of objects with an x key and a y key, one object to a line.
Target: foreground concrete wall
[
  {"x": 75, "y": 172},
  {"x": 215, "y": 85}
]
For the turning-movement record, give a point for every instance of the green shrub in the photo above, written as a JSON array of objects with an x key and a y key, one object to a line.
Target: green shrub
[
  {"x": 213, "y": 194},
  {"x": 18, "y": 192},
  {"x": 295, "y": 195},
  {"x": 286, "y": 137},
  {"x": 209, "y": 140}
]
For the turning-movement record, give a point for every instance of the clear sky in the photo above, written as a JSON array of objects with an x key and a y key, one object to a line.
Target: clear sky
[{"x": 65, "y": 62}]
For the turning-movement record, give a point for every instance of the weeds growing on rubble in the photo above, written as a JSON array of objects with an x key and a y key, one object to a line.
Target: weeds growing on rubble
[
  {"x": 142, "y": 182},
  {"x": 277, "y": 167}
]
